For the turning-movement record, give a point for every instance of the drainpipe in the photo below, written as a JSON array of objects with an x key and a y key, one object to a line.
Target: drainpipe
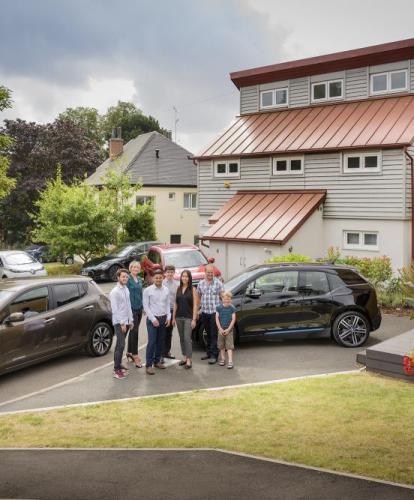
[{"x": 411, "y": 159}]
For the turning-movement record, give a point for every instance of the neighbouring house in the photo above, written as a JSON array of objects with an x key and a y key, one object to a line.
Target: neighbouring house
[
  {"x": 321, "y": 155},
  {"x": 169, "y": 182}
]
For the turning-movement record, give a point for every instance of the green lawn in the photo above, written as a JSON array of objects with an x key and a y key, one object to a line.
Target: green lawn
[{"x": 357, "y": 423}]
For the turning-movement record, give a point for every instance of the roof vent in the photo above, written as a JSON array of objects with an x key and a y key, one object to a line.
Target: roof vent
[{"x": 157, "y": 153}]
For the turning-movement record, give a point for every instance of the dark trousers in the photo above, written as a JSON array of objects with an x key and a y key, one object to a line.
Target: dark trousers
[
  {"x": 133, "y": 334},
  {"x": 209, "y": 322},
  {"x": 156, "y": 339},
  {"x": 168, "y": 339},
  {"x": 119, "y": 348}
]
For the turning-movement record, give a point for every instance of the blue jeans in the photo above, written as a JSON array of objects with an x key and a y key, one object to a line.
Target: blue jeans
[{"x": 156, "y": 339}]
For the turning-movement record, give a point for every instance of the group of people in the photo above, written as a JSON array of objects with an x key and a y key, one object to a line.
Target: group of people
[{"x": 166, "y": 304}]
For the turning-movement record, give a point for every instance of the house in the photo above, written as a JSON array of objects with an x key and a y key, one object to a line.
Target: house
[
  {"x": 320, "y": 155},
  {"x": 169, "y": 180}
]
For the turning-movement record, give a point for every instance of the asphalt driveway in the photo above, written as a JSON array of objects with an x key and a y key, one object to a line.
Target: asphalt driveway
[
  {"x": 254, "y": 362},
  {"x": 176, "y": 475}
]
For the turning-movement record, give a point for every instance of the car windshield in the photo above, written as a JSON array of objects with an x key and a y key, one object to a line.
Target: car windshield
[
  {"x": 185, "y": 258},
  {"x": 4, "y": 295},
  {"x": 235, "y": 281},
  {"x": 16, "y": 259},
  {"x": 121, "y": 251}
]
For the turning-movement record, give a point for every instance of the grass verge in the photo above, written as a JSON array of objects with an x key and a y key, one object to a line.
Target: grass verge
[
  {"x": 58, "y": 269},
  {"x": 359, "y": 423}
]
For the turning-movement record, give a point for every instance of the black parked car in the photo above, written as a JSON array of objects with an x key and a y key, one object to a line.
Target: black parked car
[
  {"x": 105, "y": 268},
  {"x": 286, "y": 301},
  {"x": 41, "y": 318},
  {"x": 43, "y": 253}
]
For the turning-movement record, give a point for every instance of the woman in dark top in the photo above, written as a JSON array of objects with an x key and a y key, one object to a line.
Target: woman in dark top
[
  {"x": 185, "y": 315},
  {"x": 135, "y": 292}
]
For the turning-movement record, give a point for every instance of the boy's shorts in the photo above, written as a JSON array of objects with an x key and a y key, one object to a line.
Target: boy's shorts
[{"x": 225, "y": 341}]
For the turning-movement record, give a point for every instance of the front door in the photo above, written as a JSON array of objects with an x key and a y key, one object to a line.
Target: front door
[
  {"x": 271, "y": 306},
  {"x": 33, "y": 338}
]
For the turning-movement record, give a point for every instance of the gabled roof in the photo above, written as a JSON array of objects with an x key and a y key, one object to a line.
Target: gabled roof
[
  {"x": 338, "y": 61},
  {"x": 372, "y": 123},
  {"x": 264, "y": 216},
  {"x": 172, "y": 168}
]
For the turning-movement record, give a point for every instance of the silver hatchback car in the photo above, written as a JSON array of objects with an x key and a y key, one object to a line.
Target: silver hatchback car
[{"x": 18, "y": 264}]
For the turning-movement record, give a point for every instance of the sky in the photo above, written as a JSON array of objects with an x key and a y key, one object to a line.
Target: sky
[{"x": 168, "y": 54}]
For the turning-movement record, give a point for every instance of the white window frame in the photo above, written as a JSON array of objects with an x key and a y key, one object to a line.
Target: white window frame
[
  {"x": 227, "y": 173},
  {"x": 147, "y": 199},
  {"x": 326, "y": 83},
  {"x": 361, "y": 245},
  {"x": 274, "y": 105},
  {"x": 362, "y": 169},
  {"x": 288, "y": 159},
  {"x": 388, "y": 90},
  {"x": 192, "y": 196}
]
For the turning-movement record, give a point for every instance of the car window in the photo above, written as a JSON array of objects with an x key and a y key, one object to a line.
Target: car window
[
  {"x": 31, "y": 303},
  {"x": 185, "y": 258},
  {"x": 313, "y": 283},
  {"x": 349, "y": 277},
  {"x": 66, "y": 293},
  {"x": 277, "y": 281},
  {"x": 154, "y": 257},
  {"x": 16, "y": 259},
  {"x": 1, "y": 263},
  {"x": 83, "y": 289}
]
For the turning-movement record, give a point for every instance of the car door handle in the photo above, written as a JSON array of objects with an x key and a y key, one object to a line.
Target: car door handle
[
  {"x": 88, "y": 308},
  {"x": 50, "y": 320}
]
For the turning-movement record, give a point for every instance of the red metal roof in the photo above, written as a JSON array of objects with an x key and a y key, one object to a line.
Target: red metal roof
[
  {"x": 372, "y": 123},
  {"x": 263, "y": 216},
  {"x": 338, "y": 61}
]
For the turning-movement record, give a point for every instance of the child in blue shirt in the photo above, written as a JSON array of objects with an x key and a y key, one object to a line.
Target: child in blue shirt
[{"x": 225, "y": 319}]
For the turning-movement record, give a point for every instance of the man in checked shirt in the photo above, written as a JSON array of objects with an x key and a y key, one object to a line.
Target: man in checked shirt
[{"x": 210, "y": 291}]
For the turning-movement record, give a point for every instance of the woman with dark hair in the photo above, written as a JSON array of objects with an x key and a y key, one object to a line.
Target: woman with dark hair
[{"x": 185, "y": 315}]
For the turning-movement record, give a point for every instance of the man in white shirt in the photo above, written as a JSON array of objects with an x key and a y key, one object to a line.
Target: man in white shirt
[
  {"x": 172, "y": 286},
  {"x": 122, "y": 319},
  {"x": 156, "y": 302}
]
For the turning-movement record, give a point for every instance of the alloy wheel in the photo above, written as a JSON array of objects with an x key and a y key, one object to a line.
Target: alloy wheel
[
  {"x": 101, "y": 339},
  {"x": 352, "y": 330}
]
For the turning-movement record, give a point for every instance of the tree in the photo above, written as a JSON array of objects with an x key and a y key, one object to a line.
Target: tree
[
  {"x": 117, "y": 195},
  {"x": 6, "y": 183},
  {"x": 34, "y": 154},
  {"x": 72, "y": 220},
  {"x": 88, "y": 119},
  {"x": 131, "y": 120},
  {"x": 141, "y": 224}
]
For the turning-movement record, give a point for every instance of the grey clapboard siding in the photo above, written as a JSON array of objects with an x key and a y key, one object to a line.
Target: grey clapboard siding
[
  {"x": 356, "y": 84},
  {"x": 408, "y": 174},
  {"x": 412, "y": 75},
  {"x": 249, "y": 99},
  {"x": 299, "y": 92},
  {"x": 370, "y": 196}
]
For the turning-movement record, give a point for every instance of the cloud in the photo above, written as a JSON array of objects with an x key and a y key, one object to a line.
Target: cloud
[{"x": 176, "y": 53}]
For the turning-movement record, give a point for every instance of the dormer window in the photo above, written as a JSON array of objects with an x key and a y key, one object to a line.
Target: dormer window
[
  {"x": 227, "y": 168},
  {"x": 277, "y": 98},
  {"x": 390, "y": 81},
  {"x": 327, "y": 91}
]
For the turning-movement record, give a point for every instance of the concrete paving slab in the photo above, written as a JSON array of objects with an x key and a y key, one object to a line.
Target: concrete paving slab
[{"x": 176, "y": 475}]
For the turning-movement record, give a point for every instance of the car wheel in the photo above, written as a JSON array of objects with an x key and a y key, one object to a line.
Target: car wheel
[
  {"x": 112, "y": 272},
  {"x": 40, "y": 259},
  {"x": 69, "y": 261},
  {"x": 351, "y": 329},
  {"x": 99, "y": 340}
]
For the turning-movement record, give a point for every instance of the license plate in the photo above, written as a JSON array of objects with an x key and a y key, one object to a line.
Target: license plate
[{"x": 84, "y": 273}]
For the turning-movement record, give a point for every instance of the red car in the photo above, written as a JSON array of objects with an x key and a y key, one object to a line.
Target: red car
[{"x": 182, "y": 257}]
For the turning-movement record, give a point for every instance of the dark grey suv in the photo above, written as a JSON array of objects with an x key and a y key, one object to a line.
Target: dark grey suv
[
  {"x": 287, "y": 301},
  {"x": 43, "y": 318}
]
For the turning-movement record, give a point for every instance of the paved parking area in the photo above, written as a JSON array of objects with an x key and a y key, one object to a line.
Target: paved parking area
[
  {"x": 174, "y": 474},
  {"x": 254, "y": 362}
]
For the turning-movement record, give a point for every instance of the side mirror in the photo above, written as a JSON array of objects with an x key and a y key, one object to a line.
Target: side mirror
[
  {"x": 254, "y": 293},
  {"x": 211, "y": 260},
  {"x": 16, "y": 317}
]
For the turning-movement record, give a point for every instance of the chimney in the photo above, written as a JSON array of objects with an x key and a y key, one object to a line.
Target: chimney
[{"x": 116, "y": 143}]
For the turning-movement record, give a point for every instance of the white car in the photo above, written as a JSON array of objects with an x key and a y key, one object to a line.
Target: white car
[{"x": 18, "y": 264}]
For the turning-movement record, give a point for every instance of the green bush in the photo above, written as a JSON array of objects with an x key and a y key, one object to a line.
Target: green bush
[
  {"x": 58, "y": 269},
  {"x": 392, "y": 294},
  {"x": 290, "y": 257},
  {"x": 140, "y": 225}
]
